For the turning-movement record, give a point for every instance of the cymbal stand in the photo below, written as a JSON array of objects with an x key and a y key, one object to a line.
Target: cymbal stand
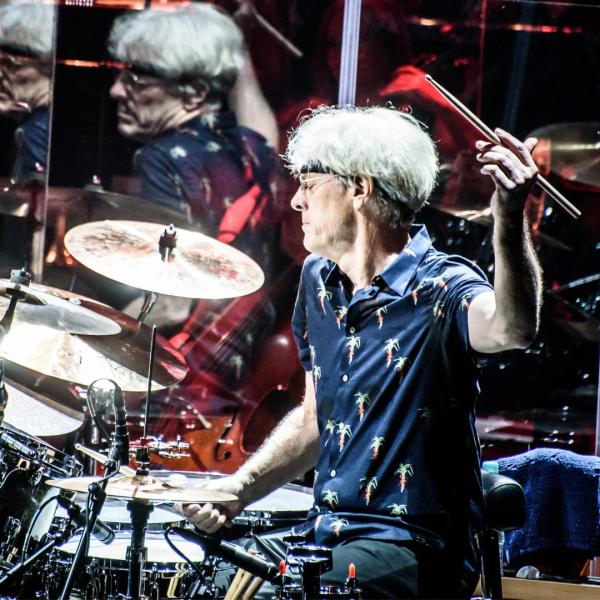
[
  {"x": 23, "y": 278},
  {"x": 150, "y": 299},
  {"x": 96, "y": 498},
  {"x": 166, "y": 247},
  {"x": 136, "y": 552}
]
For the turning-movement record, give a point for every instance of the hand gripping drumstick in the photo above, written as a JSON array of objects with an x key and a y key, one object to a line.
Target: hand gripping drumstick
[{"x": 492, "y": 137}]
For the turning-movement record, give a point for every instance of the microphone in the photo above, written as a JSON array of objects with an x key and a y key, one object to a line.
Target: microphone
[
  {"x": 232, "y": 553},
  {"x": 101, "y": 530},
  {"x": 100, "y": 392}
]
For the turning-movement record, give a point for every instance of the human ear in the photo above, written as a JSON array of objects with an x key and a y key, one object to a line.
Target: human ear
[
  {"x": 195, "y": 95},
  {"x": 362, "y": 190}
]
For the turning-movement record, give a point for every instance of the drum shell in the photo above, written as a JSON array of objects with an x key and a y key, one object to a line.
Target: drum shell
[
  {"x": 26, "y": 463},
  {"x": 104, "y": 574}
]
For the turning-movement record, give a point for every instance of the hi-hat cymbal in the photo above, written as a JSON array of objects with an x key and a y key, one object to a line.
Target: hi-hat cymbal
[
  {"x": 147, "y": 489},
  {"x": 37, "y": 308},
  {"x": 574, "y": 151},
  {"x": 128, "y": 252},
  {"x": 82, "y": 359}
]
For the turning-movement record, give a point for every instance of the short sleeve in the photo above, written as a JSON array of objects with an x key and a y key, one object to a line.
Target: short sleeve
[
  {"x": 300, "y": 322},
  {"x": 161, "y": 182},
  {"x": 461, "y": 282}
]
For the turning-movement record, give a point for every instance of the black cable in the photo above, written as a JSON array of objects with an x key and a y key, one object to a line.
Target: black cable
[
  {"x": 36, "y": 515},
  {"x": 177, "y": 551}
]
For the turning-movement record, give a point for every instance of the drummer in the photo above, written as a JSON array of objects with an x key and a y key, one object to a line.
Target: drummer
[
  {"x": 387, "y": 329},
  {"x": 172, "y": 96},
  {"x": 26, "y": 33}
]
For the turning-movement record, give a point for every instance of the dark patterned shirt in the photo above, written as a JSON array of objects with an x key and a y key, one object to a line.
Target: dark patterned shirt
[
  {"x": 203, "y": 167},
  {"x": 395, "y": 386},
  {"x": 31, "y": 145}
]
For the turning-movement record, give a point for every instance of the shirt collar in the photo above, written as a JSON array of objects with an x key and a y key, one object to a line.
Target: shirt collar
[{"x": 398, "y": 274}]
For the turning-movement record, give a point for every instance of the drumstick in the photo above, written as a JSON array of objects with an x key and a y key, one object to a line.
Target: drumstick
[
  {"x": 242, "y": 585},
  {"x": 101, "y": 458},
  {"x": 492, "y": 137},
  {"x": 254, "y": 586},
  {"x": 234, "y": 584}
]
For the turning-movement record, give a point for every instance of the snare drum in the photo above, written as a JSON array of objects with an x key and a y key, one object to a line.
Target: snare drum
[
  {"x": 285, "y": 507},
  {"x": 105, "y": 572},
  {"x": 25, "y": 464}
]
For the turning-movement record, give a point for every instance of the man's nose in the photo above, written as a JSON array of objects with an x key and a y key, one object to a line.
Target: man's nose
[
  {"x": 298, "y": 200},
  {"x": 117, "y": 90}
]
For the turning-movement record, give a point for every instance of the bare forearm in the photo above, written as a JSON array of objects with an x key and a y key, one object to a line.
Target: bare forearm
[
  {"x": 290, "y": 451},
  {"x": 517, "y": 282}
]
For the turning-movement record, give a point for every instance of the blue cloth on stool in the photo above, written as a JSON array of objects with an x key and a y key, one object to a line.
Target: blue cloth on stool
[{"x": 561, "y": 495}]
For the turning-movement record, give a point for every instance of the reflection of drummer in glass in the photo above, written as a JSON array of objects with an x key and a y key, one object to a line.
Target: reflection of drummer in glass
[
  {"x": 173, "y": 96},
  {"x": 26, "y": 32}
]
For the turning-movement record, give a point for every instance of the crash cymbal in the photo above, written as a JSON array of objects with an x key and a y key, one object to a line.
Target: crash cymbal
[
  {"x": 37, "y": 415},
  {"x": 128, "y": 252},
  {"x": 37, "y": 308},
  {"x": 147, "y": 488},
  {"x": 574, "y": 151},
  {"x": 76, "y": 359}
]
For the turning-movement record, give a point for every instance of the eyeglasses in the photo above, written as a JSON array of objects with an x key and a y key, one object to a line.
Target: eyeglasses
[
  {"x": 14, "y": 62},
  {"x": 137, "y": 81},
  {"x": 308, "y": 184}
]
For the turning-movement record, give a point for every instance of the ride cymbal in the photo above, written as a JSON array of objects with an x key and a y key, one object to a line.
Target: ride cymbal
[
  {"x": 199, "y": 266},
  {"x": 147, "y": 489}
]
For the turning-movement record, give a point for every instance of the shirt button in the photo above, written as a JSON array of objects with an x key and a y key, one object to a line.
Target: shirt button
[
  {"x": 332, "y": 473},
  {"x": 344, "y": 377},
  {"x": 352, "y": 329}
]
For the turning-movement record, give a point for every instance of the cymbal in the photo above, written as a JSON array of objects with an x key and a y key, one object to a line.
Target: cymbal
[
  {"x": 147, "y": 489},
  {"x": 18, "y": 201},
  {"x": 128, "y": 252},
  {"x": 38, "y": 308},
  {"x": 483, "y": 216},
  {"x": 36, "y": 415},
  {"x": 98, "y": 205},
  {"x": 122, "y": 357},
  {"x": 574, "y": 151}
]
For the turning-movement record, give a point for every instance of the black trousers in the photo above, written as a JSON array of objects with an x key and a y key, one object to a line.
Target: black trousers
[{"x": 384, "y": 569}]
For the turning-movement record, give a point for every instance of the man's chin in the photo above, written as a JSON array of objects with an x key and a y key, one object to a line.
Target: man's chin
[{"x": 130, "y": 130}]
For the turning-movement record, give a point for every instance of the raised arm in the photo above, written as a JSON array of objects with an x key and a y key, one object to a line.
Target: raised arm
[
  {"x": 508, "y": 318},
  {"x": 288, "y": 452},
  {"x": 250, "y": 105}
]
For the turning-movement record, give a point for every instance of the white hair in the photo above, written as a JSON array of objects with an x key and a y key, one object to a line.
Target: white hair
[
  {"x": 198, "y": 42},
  {"x": 384, "y": 143},
  {"x": 27, "y": 27}
]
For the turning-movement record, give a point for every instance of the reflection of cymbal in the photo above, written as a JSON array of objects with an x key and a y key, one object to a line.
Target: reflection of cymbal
[
  {"x": 19, "y": 201},
  {"x": 82, "y": 359},
  {"x": 128, "y": 252},
  {"x": 483, "y": 216},
  {"x": 147, "y": 489},
  {"x": 98, "y": 205},
  {"x": 37, "y": 415},
  {"x": 574, "y": 151},
  {"x": 38, "y": 308}
]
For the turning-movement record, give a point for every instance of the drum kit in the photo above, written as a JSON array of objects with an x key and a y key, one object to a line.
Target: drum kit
[{"x": 64, "y": 534}]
